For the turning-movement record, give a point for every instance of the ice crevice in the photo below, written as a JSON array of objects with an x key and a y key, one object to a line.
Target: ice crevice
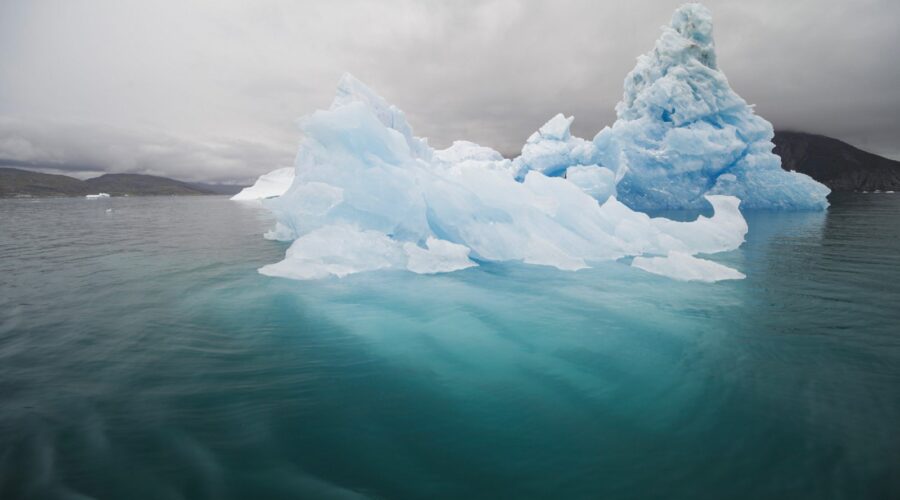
[{"x": 366, "y": 194}]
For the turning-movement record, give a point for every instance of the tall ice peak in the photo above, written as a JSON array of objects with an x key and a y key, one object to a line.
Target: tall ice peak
[
  {"x": 557, "y": 128},
  {"x": 694, "y": 22},
  {"x": 350, "y": 90},
  {"x": 682, "y": 132}
]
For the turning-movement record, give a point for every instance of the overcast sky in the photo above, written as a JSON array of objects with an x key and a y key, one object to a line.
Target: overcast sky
[{"x": 211, "y": 90}]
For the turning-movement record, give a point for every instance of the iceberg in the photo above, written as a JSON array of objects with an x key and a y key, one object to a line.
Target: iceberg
[
  {"x": 553, "y": 149},
  {"x": 683, "y": 133},
  {"x": 366, "y": 194}
]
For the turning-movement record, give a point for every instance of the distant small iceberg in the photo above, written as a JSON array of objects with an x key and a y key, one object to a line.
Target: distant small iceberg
[{"x": 97, "y": 196}]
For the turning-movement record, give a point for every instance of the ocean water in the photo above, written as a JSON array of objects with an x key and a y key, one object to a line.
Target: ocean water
[{"x": 142, "y": 356}]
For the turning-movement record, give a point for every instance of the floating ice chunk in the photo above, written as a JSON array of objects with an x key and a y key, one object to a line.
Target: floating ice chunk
[
  {"x": 683, "y": 132},
  {"x": 337, "y": 250},
  {"x": 340, "y": 250},
  {"x": 724, "y": 231},
  {"x": 270, "y": 185},
  {"x": 685, "y": 267},
  {"x": 552, "y": 149}
]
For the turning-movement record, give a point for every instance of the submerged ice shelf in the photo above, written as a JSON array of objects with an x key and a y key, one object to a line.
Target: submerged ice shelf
[{"x": 367, "y": 194}]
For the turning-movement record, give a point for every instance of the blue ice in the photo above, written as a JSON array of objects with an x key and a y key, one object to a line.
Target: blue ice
[{"x": 367, "y": 194}]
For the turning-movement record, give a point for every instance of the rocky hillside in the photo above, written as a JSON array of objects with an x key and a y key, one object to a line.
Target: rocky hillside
[
  {"x": 141, "y": 185},
  {"x": 835, "y": 163},
  {"x": 16, "y": 182}
]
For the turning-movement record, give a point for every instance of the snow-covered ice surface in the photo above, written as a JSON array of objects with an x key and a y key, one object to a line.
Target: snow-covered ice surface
[
  {"x": 367, "y": 194},
  {"x": 270, "y": 185}
]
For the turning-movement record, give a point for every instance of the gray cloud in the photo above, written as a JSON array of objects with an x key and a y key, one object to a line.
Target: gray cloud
[
  {"x": 200, "y": 90},
  {"x": 85, "y": 149}
]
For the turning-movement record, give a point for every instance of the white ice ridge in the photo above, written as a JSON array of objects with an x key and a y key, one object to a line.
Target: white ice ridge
[
  {"x": 685, "y": 267},
  {"x": 367, "y": 194},
  {"x": 270, "y": 185}
]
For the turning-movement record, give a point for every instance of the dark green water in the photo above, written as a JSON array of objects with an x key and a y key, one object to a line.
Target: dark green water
[{"x": 142, "y": 356}]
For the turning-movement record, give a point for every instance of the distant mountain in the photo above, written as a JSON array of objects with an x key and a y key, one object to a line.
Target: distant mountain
[
  {"x": 140, "y": 185},
  {"x": 835, "y": 163},
  {"x": 228, "y": 189},
  {"x": 15, "y": 182}
]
